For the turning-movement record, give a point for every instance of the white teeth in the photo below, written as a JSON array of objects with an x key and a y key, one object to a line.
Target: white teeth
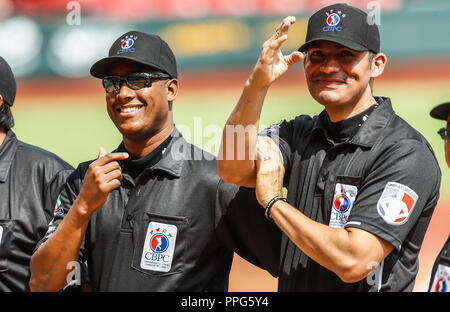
[{"x": 129, "y": 109}]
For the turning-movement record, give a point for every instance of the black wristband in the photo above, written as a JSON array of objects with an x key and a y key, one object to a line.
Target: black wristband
[{"x": 270, "y": 204}]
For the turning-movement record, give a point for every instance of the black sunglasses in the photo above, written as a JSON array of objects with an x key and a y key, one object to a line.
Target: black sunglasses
[
  {"x": 135, "y": 81},
  {"x": 443, "y": 132}
]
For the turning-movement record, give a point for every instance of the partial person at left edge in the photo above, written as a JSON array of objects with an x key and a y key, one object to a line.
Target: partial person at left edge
[{"x": 30, "y": 180}]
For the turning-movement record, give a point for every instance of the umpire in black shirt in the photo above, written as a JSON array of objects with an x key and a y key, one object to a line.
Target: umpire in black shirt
[
  {"x": 362, "y": 183},
  {"x": 30, "y": 180},
  {"x": 153, "y": 215},
  {"x": 440, "y": 272}
]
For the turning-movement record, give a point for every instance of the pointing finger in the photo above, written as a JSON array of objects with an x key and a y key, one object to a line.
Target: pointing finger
[{"x": 107, "y": 158}]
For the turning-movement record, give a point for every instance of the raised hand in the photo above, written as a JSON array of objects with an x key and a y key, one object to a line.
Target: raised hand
[{"x": 272, "y": 63}]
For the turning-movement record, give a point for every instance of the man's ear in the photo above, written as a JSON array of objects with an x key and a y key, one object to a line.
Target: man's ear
[
  {"x": 1, "y": 100},
  {"x": 378, "y": 65},
  {"x": 172, "y": 90}
]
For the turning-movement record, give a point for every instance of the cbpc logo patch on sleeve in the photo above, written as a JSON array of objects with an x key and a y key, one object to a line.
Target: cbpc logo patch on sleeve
[
  {"x": 396, "y": 203},
  {"x": 159, "y": 246}
]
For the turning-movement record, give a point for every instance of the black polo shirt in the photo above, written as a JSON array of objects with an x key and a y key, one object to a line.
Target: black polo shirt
[
  {"x": 383, "y": 178},
  {"x": 440, "y": 273},
  {"x": 174, "y": 227},
  {"x": 30, "y": 181}
]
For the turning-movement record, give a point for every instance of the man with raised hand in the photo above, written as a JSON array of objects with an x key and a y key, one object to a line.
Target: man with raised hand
[{"x": 358, "y": 205}]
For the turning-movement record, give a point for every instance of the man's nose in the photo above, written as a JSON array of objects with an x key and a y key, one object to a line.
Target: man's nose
[
  {"x": 125, "y": 91},
  {"x": 330, "y": 65}
]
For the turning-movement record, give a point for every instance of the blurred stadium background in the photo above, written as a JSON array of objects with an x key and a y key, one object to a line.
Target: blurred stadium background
[{"x": 51, "y": 45}]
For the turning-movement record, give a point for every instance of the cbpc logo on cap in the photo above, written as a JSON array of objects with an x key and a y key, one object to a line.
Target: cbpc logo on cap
[
  {"x": 127, "y": 44},
  {"x": 333, "y": 20}
]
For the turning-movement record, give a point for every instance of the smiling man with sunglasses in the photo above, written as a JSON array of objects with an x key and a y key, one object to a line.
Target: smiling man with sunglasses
[{"x": 150, "y": 216}]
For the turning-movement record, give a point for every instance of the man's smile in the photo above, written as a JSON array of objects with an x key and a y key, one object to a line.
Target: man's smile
[{"x": 128, "y": 109}]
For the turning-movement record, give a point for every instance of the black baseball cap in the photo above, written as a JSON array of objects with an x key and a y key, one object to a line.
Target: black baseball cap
[
  {"x": 343, "y": 24},
  {"x": 8, "y": 85},
  {"x": 143, "y": 48},
  {"x": 441, "y": 111}
]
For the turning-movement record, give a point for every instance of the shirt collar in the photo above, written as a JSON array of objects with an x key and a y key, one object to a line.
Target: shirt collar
[
  {"x": 171, "y": 161},
  {"x": 368, "y": 133},
  {"x": 174, "y": 154},
  {"x": 7, "y": 152}
]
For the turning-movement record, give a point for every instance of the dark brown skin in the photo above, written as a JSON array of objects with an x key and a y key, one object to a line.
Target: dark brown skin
[{"x": 142, "y": 130}]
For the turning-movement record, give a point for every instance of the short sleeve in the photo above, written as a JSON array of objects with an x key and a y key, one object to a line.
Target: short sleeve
[
  {"x": 53, "y": 189},
  {"x": 68, "y": 192},
  {"x": 399, "y": 193},
  {"x": 281, "y": 134},
  {"x": 242, "y": 227}
]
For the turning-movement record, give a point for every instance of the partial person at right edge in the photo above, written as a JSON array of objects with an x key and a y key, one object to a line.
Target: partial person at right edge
[{"x": 440, "y": 273}]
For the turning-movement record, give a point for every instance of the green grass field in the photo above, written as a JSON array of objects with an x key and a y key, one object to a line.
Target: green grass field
[{"x": 75, "y": 126}]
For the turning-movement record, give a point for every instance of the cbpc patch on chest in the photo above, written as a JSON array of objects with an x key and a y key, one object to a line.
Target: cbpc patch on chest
[
  {"x": 344, "y": 197},
  {"x": 159, "y": 247}
]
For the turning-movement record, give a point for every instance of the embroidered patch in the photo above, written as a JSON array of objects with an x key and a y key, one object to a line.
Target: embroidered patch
[
  {"x": 441, "y": 279},
  {"x": 332, "y": 19},
  {"x": 396, "y": 203},
  {"x": 58, "y": 211},
  {"x": 344, "y": 196},
  {"x": 127, "y": 44},
  {"x": 50, "y": 231},
  {"x": 159, "y": 246}
]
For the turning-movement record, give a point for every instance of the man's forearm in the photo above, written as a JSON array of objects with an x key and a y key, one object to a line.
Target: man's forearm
[
  {"x": 49, "y": 263},
  {"x": 237, "y": 151},
  {"x": 347, "y": 252}
]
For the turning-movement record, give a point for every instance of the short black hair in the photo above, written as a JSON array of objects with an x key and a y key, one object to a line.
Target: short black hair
[{"x": 6, "y": 117}]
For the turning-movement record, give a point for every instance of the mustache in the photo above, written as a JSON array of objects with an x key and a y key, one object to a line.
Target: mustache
[{"x": 322, "y": 76}]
